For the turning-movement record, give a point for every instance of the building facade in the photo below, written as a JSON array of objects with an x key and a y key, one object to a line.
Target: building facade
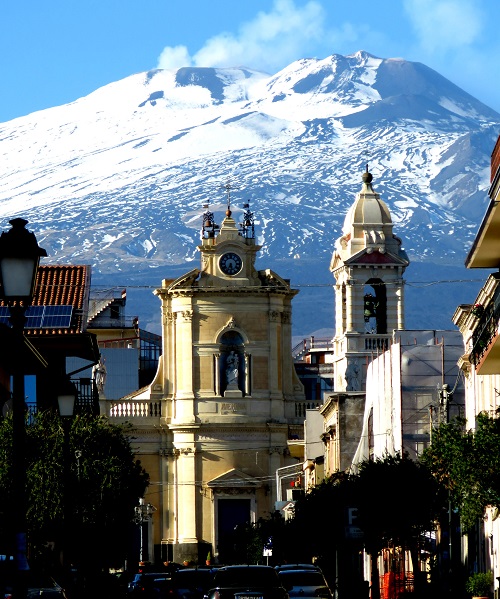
[
  {"x": 478, "y": 323},
  {"x": 227, "y": 394}
]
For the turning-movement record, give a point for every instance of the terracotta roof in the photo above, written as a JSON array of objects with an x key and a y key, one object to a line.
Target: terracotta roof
[
  {"x": 63, "y": 285},
  {"x": 59, "y": 285}
]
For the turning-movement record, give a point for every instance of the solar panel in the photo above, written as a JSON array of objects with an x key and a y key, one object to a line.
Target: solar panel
[
  {"x": 57, "y": 317},
  {"x": 42, "y": 317},
  {"x": 4, "y": 315},
  {"x": 34, "y": 317}
]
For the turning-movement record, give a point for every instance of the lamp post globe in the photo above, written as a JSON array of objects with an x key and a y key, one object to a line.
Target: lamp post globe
[
  {"x": 66, "y": 398},
  {"x": 19, "y": 259}
]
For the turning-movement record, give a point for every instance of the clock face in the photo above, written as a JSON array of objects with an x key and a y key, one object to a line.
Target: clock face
[{"x": 230, "y": 263}]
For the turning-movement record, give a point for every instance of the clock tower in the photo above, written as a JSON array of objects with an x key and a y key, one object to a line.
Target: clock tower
[{"x": 231, "y": 396}]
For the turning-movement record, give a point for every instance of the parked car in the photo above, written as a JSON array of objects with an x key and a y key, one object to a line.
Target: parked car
[
  {"x": 150, "y": 585},
  {"x": 297, "y": 567},
  {"x": 192, "y": 583},
  {"x": 246, "y": 582},
  {"x": 306, "y": 584}
]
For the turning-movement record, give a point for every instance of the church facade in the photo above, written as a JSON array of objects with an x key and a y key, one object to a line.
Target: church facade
[{"x": 227, "y": 393}]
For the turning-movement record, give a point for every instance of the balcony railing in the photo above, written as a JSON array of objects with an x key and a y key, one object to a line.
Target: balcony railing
[
  {"x": 307, "y": 345},
  {"x": 137, "y": 409},
  {"x": 486, "y": 329},
  {"x": 377, "y": 343}
]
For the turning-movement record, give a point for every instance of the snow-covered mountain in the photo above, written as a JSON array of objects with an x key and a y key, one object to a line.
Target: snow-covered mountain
[{"x": 118, "y": 179}]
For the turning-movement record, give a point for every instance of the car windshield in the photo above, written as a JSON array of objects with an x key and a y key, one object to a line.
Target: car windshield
[
  {"x": 305, "y": 578},
  {"x": 254, "y": 577}
]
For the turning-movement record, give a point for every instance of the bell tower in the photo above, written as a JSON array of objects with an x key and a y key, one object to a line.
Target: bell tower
[{"x": 368, "y": 263}]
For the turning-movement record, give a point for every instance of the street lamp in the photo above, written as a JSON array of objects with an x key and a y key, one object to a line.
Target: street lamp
[
  {"x": 19, "y": 259},
  {"x": 143, "y": 513},
  {"x": 66, "y": 397}
]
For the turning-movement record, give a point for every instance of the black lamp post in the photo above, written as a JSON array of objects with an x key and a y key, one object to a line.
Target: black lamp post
[
  {"x": 66, "y": 398},
  {"x": 143, "y": 513},
  {"x": 19, "y": 259}
]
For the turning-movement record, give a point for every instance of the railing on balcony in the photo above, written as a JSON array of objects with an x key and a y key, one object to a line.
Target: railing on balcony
[
  {"x": 486, "y": 329},
  {"x": 377, "y": 343},
  {"x": 141, "y": 408},
  {"x": 87, "y": 401},
  {"x": 302, "y": 406},
  {"x": 310, "y": 343},
  {"x": 120, "y": 322}
]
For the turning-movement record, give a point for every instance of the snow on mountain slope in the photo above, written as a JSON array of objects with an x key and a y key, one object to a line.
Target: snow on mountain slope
[{"x": 118, "y": 179}]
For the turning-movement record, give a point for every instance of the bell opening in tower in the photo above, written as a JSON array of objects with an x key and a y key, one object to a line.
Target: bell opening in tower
[{"x": 375, "y": 307}]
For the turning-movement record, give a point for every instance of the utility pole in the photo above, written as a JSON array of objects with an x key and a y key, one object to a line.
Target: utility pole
[{"x": 445, "y": 396}]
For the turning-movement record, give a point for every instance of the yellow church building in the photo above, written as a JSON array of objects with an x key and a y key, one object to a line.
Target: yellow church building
[{"x": 217, "y": 419}]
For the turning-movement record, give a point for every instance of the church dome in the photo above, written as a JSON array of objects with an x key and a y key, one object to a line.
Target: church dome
[
  {"x": 368, "y": 225},
  {"x": 368, "y": 210}
]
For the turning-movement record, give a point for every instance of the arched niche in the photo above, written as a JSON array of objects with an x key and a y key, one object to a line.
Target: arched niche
[{"x": 232, "y": 361}]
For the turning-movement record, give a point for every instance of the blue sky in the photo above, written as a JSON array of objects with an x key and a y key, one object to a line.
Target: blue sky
[{"x": 56, "y": 51}]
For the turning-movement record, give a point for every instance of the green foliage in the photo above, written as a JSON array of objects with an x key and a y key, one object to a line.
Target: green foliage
[
  {"x": 397, "y": 500},
  {"x": 479, "y": 584},
  {"x": 322, "y": 509},
  {"x": 467, "y": 462},
  {"x": 95, "y": 476}
]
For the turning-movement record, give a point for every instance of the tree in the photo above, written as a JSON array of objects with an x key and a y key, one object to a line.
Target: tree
[
  {"x": 397, "y": 501},
  {"x": 96, "y": 490},
  {"x": 467, "y": 462}
]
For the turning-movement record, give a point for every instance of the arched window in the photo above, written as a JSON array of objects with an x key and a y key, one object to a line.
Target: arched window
[{"x": 375, "y": 307}]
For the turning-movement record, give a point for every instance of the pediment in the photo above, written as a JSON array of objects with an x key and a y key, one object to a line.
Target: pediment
[
  {"x": 233, "y": 479},
  {"x": 365, "y": 257},
  {"x": 271, "y": 279},
  {"x": 186, "y": 280}
]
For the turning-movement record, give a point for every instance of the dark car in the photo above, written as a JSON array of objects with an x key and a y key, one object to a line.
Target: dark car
[
  {"x": 297, "y": 567},
  {"x": 192, "y": 583},
  {"x": 246, "y": 582},
  {"x": 306, "y": 584},
  {"x": 150, "y": 585}
]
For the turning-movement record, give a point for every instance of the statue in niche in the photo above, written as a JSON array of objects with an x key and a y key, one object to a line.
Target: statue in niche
[
  {"x": 352, "y": 376},
  {"x": 232, "y": 370}
]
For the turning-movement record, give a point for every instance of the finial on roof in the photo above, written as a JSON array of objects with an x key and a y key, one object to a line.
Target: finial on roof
[
  {"x": 367, "y": 176},
  {"x": 227, "y": 186}
]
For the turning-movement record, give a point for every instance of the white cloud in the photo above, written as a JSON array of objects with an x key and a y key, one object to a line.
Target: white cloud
[
  {"x": 174, "y": 57},
  {"x": 444, "y": 25},
  {"x": 269, "y": 42}
]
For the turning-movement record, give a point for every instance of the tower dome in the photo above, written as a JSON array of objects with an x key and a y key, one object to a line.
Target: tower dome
[{"x": 368, "y": 224}]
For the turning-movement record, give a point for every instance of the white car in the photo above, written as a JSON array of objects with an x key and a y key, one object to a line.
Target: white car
[{"x": 309, "y": 583}]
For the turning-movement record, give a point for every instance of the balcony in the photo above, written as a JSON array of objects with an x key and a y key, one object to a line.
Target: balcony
[
  {"x": 311, "y": 344},
  {"x": 134, "y": 410},
  {"x": 485, "y": 354}
]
